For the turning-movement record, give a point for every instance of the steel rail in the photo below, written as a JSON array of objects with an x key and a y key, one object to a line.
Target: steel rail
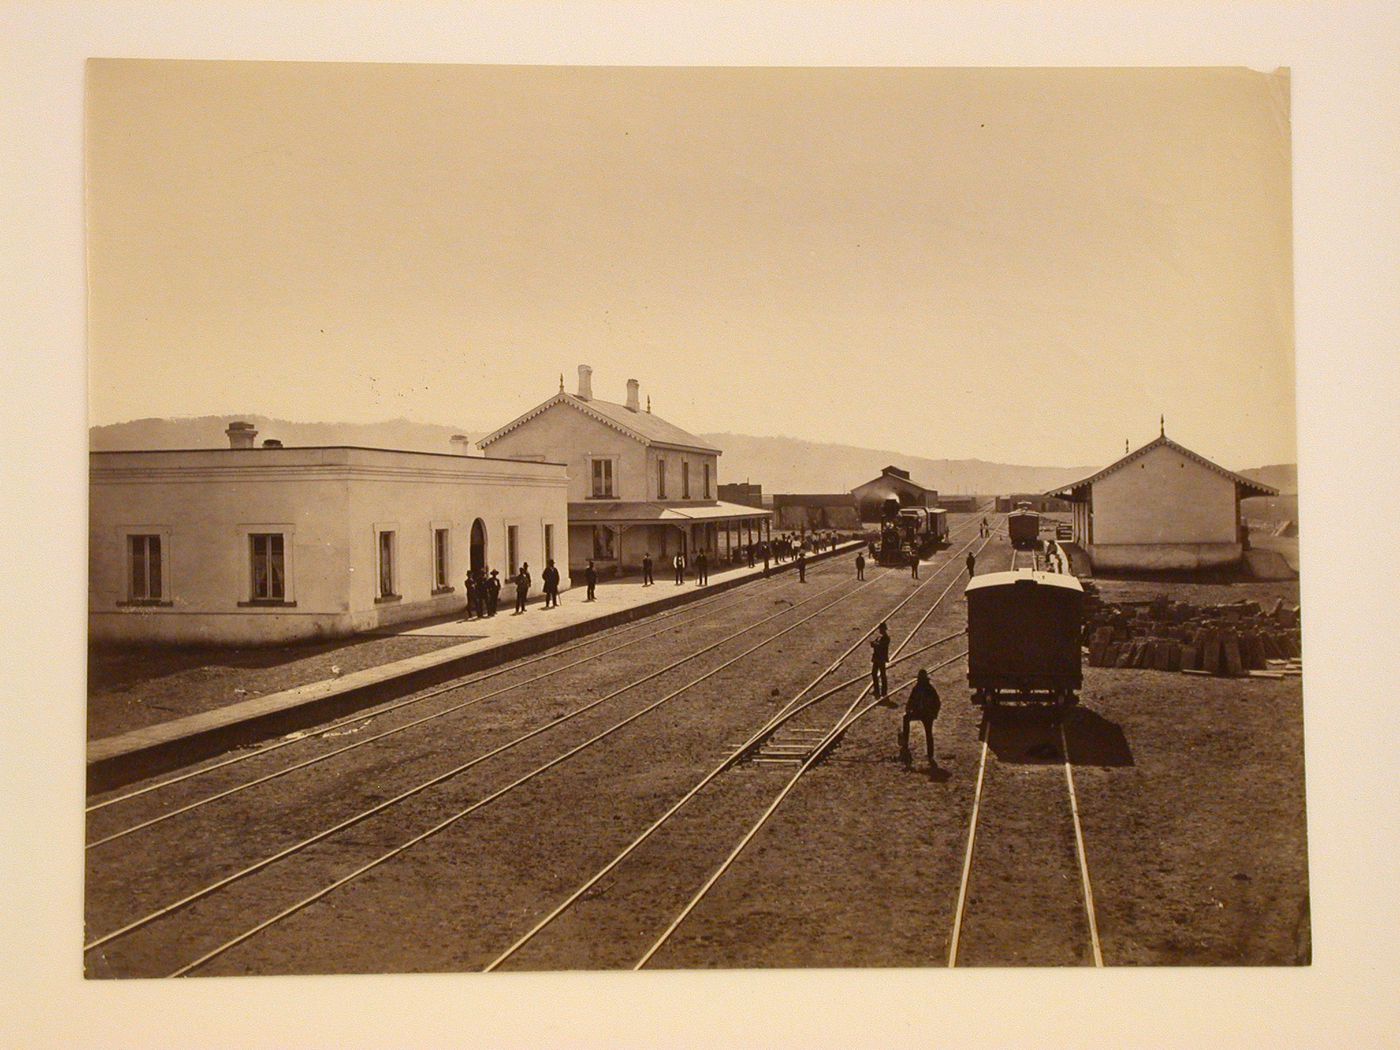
[
  {"x": 371, "y": 739},
  {"x": 361, "y": 716},
  {"x": 1083, "y": 856},
  {"x": 789, "y": 711},
  {"x": 525, "y": 778},
  {"x": 834, "y": 734},
  {"x": 455, "y": 771}
]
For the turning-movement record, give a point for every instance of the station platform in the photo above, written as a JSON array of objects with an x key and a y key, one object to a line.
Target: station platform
[{"x": 485, "y": 643}]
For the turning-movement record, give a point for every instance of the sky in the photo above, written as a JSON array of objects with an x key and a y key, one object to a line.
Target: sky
[{"x": 1025, "y": 266}]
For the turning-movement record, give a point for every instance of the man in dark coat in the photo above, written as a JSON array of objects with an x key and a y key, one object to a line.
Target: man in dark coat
[
  {"x": 678, "y": 562},
  {"x": 647, "y": 581},
  {"x": 860, "y": 566},
  {"x": 702, "y": 569},
  {"x": 473, "y": 594},
  {"x": 914, "y": 564},
  {"x": 522, "y": 587},
  {"x": 550, "y": 579},
  {"x": 590, "y": 577},
  {"x": 493, "y": 592},
  {"x": 879, "y": 660},
  {"x": 923, "y": 706},
  {"x": 971, "y": 564},
  {"x": 801, "y": 565}
]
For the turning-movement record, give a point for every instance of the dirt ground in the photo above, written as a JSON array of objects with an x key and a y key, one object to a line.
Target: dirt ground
[
  {"x": 130, "y": 687},
  {"x": 1190, "y": 793}
]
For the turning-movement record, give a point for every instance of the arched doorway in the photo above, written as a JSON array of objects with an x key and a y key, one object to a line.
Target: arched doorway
[{"x": 478, "y": 546}]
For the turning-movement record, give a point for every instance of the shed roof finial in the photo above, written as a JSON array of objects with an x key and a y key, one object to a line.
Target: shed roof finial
[
  {"x": 1163, "y": 421},
  {"x": 561, "y": 382},
  {"x": 648, "y": 404}
]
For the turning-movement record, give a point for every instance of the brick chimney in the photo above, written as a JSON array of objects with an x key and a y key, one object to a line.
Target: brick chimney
[
  {"x": 585, "y": 383},
  {"x": 241, "y": 435},
  {"x": 461, "y": 445},
  {"x": 633, "y": 396},
  {"x": 271, "y": 443}
]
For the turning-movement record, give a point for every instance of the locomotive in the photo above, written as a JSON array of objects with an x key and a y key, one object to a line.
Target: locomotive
[
  {"x": 1023, "y": 526},
  {"x": 1023, "y": 637},
  {"x": 906, "y": 531}
]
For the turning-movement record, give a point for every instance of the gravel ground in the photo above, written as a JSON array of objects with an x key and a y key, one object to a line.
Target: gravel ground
[
  {"x": 860, "y": 866},
  {"x": 130, "y": 687}
]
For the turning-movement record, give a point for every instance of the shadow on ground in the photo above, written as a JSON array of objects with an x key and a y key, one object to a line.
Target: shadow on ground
[{"x": 1030, "y": 736}]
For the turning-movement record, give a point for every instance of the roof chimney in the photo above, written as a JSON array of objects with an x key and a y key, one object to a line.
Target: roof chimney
[
  {"x": 633, "y": 392},
  {"x": 585, "y": 383},
  {"x": 461, "y": 445},
  {"x": 271, "y": 443},
  {"x": 241, "y": 435}
]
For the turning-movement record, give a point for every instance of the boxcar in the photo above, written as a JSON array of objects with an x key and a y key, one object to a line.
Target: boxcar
[
  {"x": 1023, "y": 635},
  {"x": 1023, "y": 526}
]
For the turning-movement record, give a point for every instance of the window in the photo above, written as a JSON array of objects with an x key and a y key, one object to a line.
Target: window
[
  {"x": 386, "y": 565},
  {"x": 440, "y": 559},
  {"x": 144, "y": 579},
  {"x": 685, "y": 479},
  {"x": 269, "y": 566},
  {"x": 603, "y": 479},
  {"x": 660, "y": 479},
  {"x": 706, "y": 493},
  {"x": 548, "y": 544},
  {"x": 513, "y": 548},
  {"x": 603, "y": 543}
]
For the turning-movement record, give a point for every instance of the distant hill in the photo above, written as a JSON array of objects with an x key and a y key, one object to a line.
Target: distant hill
[
  {"x": 782, "y": 464},
  {"x": 1282, "y": 476},
  {"x": 208, "y": 432},
  {"x": 779, "y": 464}
]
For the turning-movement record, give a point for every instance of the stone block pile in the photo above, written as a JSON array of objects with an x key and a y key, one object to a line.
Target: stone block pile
[{"x": 1234, "y": 639}]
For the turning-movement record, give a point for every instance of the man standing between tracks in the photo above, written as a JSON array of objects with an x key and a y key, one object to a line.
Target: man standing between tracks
[
  {"x": 879, "y": 662},
  {"x": 801, "y": 565},
  {"x": 860, "y": 566},
  {"x": 923, "y": 706},
  {"x": 914, "y": 564},
  {"x": 971, "y": 565}
]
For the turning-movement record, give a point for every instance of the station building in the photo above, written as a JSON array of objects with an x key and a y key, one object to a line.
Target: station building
[
  {"x": 1160, "y": 508},
  {"x": 247, "y": 545},
  {"x": 892, "y": 483},
  {"x": 637, "y": 483},
  {"x": 805, "y": 511}
]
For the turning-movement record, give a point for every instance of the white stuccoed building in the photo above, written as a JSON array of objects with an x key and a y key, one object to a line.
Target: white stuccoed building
[
  {"x": 1160, "y": 508},
  {"x": 247, "y": 545}
]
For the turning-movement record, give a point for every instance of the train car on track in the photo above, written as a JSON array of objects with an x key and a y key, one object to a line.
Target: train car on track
[
  {"x": 1023, "y": 526},
  {"x": 1023, "y": 637},
  {"x": 905, "y": 531}
]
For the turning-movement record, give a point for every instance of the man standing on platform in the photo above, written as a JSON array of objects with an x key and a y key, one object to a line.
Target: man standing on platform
[
  {"x": 522, "y": 587},
  {"x": 647, "y": 581},
  {"x": 590, "y": 577},
  {"x": 550, "y": 578},
  {"x": 493, "y": 592},
  {"x": 702, "y": 569},
  {"x": 679, "y": 564}
]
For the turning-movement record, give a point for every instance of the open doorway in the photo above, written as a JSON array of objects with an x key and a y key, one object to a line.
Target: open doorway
[{"x": 478, "y": 546}]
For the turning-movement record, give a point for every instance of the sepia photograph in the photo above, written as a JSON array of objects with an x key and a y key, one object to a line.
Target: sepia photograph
[{"x": 597, "y": 518}]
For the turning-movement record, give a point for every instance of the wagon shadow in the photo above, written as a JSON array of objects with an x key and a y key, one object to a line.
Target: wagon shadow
[{"x": 1031, "y": 737}]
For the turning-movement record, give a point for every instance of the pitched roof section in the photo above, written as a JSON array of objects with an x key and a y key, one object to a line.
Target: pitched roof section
[
  {"x": 640, "y": 426},
  {"x": 1254, "y": 488}
]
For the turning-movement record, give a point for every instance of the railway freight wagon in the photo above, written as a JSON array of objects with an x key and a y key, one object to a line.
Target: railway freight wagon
[
  {"x": 906, "y": 531},
  {"x": 1023, "y": 637},
  {"x": 1023, "y": 526}
]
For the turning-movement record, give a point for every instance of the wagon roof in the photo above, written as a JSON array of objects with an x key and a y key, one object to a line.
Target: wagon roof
[{"x": 1058, "y": 580}]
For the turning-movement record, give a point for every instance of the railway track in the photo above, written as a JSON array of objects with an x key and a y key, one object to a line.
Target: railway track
[
  {"x": 810, "y": 744},
  {"x": 1029, "y": 738},
  {"x": 440, "y": 778},
  {"x": 361, "y": 719},
  {"x": 205, "y": 891}
]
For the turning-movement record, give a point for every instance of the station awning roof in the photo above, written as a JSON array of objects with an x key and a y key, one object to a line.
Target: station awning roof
[{"x": 646, "y": 512}]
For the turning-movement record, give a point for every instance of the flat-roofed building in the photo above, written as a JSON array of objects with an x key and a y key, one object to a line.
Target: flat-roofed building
[
  {"x": 638, "y": 484},
  {"x": 247, "y": 546},
  {"x": 802, "y": 511},
  {"x": 1162, "y": 507}
]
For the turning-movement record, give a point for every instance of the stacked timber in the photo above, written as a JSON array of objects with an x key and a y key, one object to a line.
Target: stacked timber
[{"x": 1233, "y": 639}]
